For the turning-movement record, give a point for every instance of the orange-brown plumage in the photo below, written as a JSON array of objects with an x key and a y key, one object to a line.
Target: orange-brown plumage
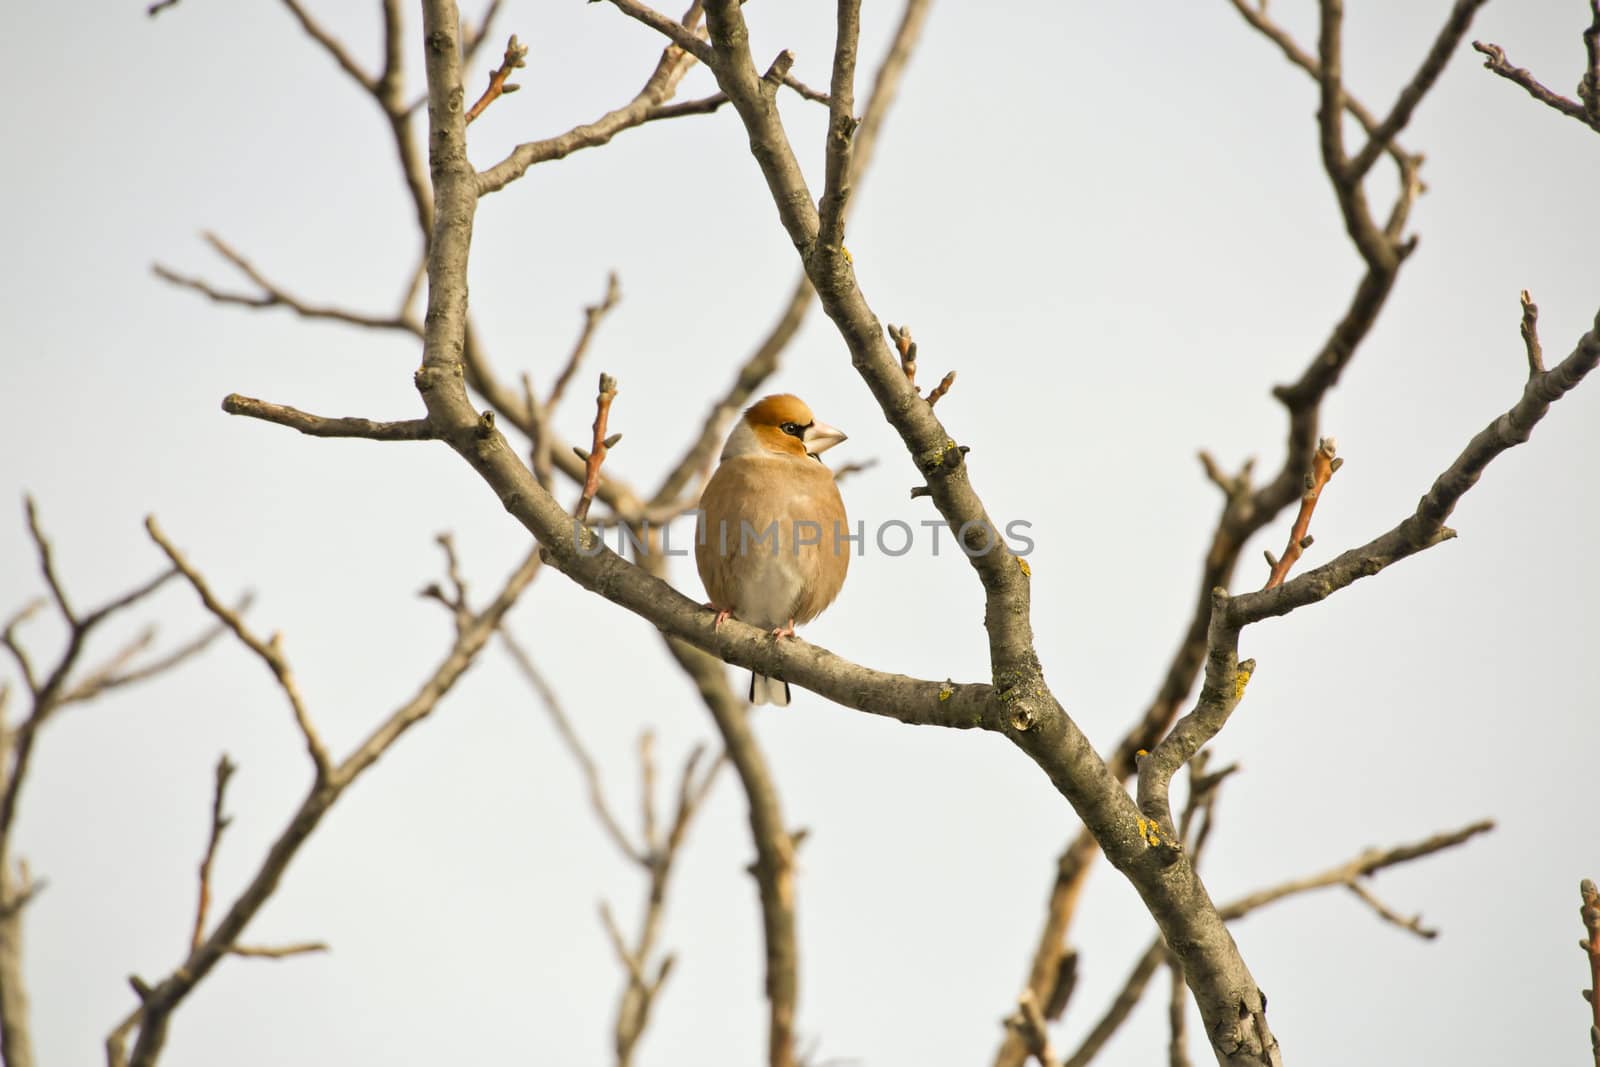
[{"x": 771, "y": 545}]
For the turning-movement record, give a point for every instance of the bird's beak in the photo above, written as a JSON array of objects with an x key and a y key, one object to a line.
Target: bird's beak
[{"x": 821, "y": 437}]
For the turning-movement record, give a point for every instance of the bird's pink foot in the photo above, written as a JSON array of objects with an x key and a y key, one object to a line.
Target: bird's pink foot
[
  {"x": 784, "y": 631},
  {"x": 723, "y": 615}
]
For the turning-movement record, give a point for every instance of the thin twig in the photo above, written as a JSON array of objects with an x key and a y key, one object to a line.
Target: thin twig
[
  {"x": 1388, "y": 914},
  {"x": 269, "y": 652},
  {"x": 272, "y": 295},
  {"x": 1367, "y": 863},
  {"x": 592, "y": 316},
  {"x": 1495, "y": 60},
  {"x": 1177, "y": 1015},
  {"x": 599, "y": 446},
  {"x": 580, "y": 754},
  {"x": 1324, "y": 462},
  {"x": 516, "y": 57},
  {"x": 1589, "y": 912},
  {"x": 331, "y": 45},
  {"x": 278, "y": 952},
  {"x": 1530, "y": 335},
  {"x": 219, "y": 823}
]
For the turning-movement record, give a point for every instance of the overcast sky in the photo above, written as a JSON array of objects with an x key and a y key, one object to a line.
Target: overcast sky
[{"x": 1111, "y": 222}]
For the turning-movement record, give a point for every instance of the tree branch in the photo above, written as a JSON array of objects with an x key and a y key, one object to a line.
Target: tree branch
[
  {"x": 269, "y": 652},
  {"x": 321, "y": 426},
  {"x": 158, "y": 1002}
]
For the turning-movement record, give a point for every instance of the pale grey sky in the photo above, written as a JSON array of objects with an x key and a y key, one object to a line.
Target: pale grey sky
[{"x": 1112, "y": 223}]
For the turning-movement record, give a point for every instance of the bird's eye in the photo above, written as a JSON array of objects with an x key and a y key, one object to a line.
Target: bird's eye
[{"x": 794, "y": 429}]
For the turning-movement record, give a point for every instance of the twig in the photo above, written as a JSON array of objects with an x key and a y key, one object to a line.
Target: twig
[
  {"x": 1121, "y": 1006},
  {"x": 159, "y": 6},
  {"x": 272, "y": 295},
  {"x": 658, "y": 89},
  {"x": 592, "y": 316},
  {"x": 160, "y": 1000},
  {"x": 1495, "y": 60},
  {"x": 516, "y": 57},
  {"x": 907, "y": 347},
  {"x": 1589, "y": 912},
  {"x": 655, "y": 856},
  {"x": 331, "y": 45},
  {"x": 1425, "y": 526},
  {"x": 278, "y": 952},
  {"x": 1324, "y": 462},
  {"x": 1177, "y": 1015},
  {"x": 1367, "y": 863},
  {"x": 322, "y": 426},
  {"x": 1530, "y": 335},
  {"x": 269, "y": 652},
  {"x": 600, "y": 444},
  {"x": 47, "y": 567},
  {"x": 678, "y": 33},
  {"x": 1388, "y": 914},
  {"x": 219, "y": 823},
  {"x": 1433, "y": 64},
  {"x": 580, "y": 754}
]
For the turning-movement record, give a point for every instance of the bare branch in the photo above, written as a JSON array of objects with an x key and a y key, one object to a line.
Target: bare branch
[
  {"x": 679, "y": 33},
  {"x": 158, "y": 1002},
  {"x": 1323, "y": 465},
  {"x": 1433, "y": 64},
  {"x": 269, "y": 652},
  {"x": 658, "y": 89},
  {"x": 278, "y": 952},
  {"x": 1425, "y": 527},
  {"x": 1345, "y": 874},
  {"x": 1177, "y": 1016},
  {"x": 1368, "y": 863},
  {"x": 219, "y": 823},
  {"x": 47, "y": 567},
  {"x": 1121, "y": 1007},
  {"x": 103, "y": 681},
  {"x": 1586, "y": 112},
  {"x": 331, "y": 45},
  {"x": 1589, "y": 912},
  {"x": 1530, "y": 335},
  {"x": 1388, "y": 914},
  {"x": 322, "y": 426},
  {"x": 600, "y": 444},
  {"x": 272, "y": 295},
  {"x": 592, "y": 317},
  {"x": 580, "y": 754},
  {"x": 516, "y": 57}
]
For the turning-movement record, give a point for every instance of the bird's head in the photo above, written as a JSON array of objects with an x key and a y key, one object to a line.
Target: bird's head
[{"x": 783, "y": 424}]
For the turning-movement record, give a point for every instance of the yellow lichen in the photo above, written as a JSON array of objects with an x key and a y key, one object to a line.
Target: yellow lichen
[
  {"x": 1027, "y": 571},
  {"x": 1241, "y": 680},
  {"x": 946, "y": 692},
  {"x": 848, "y": 258}
]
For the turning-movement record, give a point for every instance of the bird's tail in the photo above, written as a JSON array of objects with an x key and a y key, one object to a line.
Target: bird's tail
[{"x": 764, "y": 690}]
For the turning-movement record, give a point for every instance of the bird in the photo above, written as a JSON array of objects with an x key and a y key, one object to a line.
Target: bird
[{"x": 772, "y": 541}]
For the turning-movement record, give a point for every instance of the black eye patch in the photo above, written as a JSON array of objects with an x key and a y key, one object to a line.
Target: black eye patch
[{"x": 794, "y": 429}]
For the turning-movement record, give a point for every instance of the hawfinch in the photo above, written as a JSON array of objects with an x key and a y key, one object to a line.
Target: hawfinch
[{"x": 771, "y": 540}]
